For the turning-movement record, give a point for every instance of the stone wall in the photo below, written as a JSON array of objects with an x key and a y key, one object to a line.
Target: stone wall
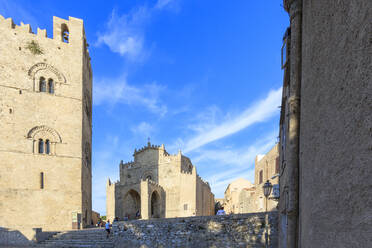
[
  {"x": 335, "y": 126},
  {"x": 240, "y": 230},
  {"x": 23, "y": 237},
  {"x": 326, "y": 120}
]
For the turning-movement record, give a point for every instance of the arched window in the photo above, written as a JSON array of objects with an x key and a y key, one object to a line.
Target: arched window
[
  {"x": 45, "y": 140},
  {"x": 47, "y": 146},
  {"x": 42, "y": 85},
  {"x": 148, "y": 177},
  {"x": 65, "y": 33},
  {"x": 50, "y": 86},
  {"x": 41, "y": 146}
]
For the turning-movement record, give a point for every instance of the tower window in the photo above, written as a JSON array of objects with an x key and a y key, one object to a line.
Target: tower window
[
  {"x": 41, "y": 146},
  {"x": 47, "y": 146},
  {"x": 184, "y": 206},
  {"x": 42, "y": 85},
  {"x": 41, "y": 180},
  {"x": 65, "y": 33},
  {"x": 50, "y": 86}
]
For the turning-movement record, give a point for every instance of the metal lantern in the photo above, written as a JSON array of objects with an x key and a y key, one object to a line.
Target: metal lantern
[{"x": 267, "y": 188}]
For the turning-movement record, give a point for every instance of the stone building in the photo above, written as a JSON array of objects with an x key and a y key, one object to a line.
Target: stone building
[
  {"x": 241, "y": 196},
  {"x": 266, "y": 169},
  {"x": 325, "y": 125},
  {"x": 158, "y": 185},
  {"x": 95, "y": 217},
  {"x": 247, "y": 200},
  {"x": 232, "y": 194},
  {"x": 45, "y": 126}
]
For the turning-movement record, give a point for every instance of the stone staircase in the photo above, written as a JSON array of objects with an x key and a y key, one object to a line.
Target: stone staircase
[{"x": 93, "y": 237}]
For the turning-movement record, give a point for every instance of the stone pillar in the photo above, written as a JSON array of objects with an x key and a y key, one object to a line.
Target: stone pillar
[
  {"x": 145, "y": 208},
  {"x": 295, "y": 13}
]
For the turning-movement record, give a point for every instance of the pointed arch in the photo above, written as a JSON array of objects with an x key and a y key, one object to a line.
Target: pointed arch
[
  {"x": 131, "y": 204},
  {"x": 155, "y": 202}
]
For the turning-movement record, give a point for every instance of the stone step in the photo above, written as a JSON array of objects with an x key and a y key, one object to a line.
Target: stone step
[
  {"x": 85, "y": 239},
  {"x": 78, "y": 241},
  {"x": 77, "y": 246},
  {"x": 79, "y": 236},
  {"x": 92, "y": 238},
  {"x": 52, "y": 244}
]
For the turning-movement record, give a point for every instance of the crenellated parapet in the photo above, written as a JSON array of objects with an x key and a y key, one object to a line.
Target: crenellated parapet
[
  {"x": 151, "y": 182},
  {"x": 111, "y": 184},
  {"x": 203, "y": 181},
  {"x": 186, "y": 172},
  {"x": 65, "y": 32},
  {"x": 127, "y": 165},
  {"x": 8, "y": 23},
  {"x": 23, "y": 28},
  {"x": 150, "y": 147}
]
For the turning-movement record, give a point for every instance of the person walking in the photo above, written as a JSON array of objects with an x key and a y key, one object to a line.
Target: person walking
[
  {"x": 107, "y": 227},
  {"x": 221, "y": 211}
]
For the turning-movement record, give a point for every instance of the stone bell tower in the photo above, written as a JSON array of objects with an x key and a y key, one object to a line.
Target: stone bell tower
[{"x": 45, "y": 126}]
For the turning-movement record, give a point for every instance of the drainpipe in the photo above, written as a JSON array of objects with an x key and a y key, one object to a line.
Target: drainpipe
[{"x": 294, "y": 8}]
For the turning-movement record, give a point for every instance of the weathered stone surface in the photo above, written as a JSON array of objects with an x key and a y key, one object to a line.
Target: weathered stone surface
[
  {"x": 326, "y": 120},
  {"x": 242, "y": 230}
]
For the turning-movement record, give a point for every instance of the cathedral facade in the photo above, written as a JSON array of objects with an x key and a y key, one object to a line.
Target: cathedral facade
[{"x": 158, "y": 185}]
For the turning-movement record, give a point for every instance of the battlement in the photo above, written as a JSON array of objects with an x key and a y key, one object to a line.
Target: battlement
[
  {"x": 186, "y": 172},
  {"x": 203, "y": 181},
  {"x": 69, "y": 31},
  {"x": 110, "y": 183},
  {"x": 153, "y": 147},
  {"x": 152, "y": 182},
  {"x": 127, "y": 165}
]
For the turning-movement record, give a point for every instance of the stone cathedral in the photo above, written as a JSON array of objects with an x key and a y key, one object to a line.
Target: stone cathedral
[
  {"x": 45, "y": 126},
  {"x": 158, "y": 185}
]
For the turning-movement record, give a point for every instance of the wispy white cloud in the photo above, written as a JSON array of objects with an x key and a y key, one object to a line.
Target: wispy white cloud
[
  {"x": 160, "y": 4},
  {"x": 237, "y": 158},
  {"x": 144, "y": 129},
  {"x": 125, "y": 34},
  {"x": 113, "y": 91},
  {"x": 257, "y": 112},
  {"x": 105, "y": 165},
  {"x": 231, "y": 164}
]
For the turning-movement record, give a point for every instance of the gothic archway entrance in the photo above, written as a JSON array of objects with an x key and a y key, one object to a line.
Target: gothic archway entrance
[
  {"x": 155, "y": 205},
  {"x": 132, "y": 204}
]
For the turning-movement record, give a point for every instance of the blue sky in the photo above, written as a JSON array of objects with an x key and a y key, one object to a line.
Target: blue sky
[{"x": 200, "y": 76}]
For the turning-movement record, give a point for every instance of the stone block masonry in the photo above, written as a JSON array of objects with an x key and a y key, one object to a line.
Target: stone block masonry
[{"x": 240, "y": 230}]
